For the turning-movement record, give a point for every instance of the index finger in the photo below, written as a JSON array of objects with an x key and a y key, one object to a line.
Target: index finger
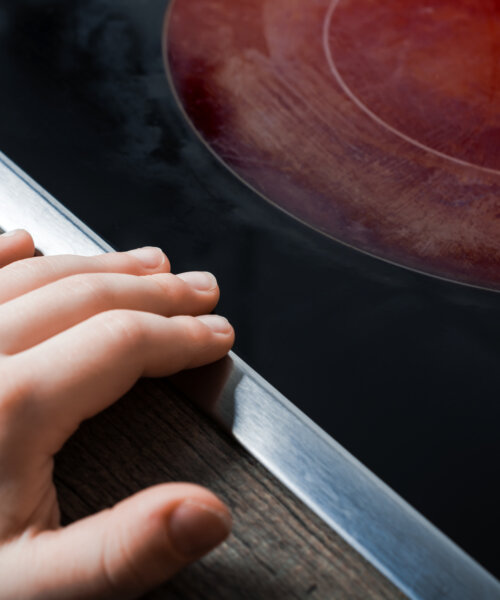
[{"x": 26, "y": 275}]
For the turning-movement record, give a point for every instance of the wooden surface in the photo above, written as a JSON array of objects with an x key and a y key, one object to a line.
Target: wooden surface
[{"x": 278, "y": 548}]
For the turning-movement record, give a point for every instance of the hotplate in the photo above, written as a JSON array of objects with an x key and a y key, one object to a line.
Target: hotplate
[{"x": 361, "y": 329}]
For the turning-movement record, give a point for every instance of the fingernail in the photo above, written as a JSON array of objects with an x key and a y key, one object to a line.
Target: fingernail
[
  {"x": 216, "y": 323},
  {"x": 199, "y": 280},
  {"x": 150, "y": 257},
  {"x": 196, "y": 528},
  {"x": 11, "y": 233}
]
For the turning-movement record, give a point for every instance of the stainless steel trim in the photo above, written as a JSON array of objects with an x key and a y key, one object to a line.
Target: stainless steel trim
[
  {"x": 410, "y": 551},
  {"x": 24, "y": 204}
]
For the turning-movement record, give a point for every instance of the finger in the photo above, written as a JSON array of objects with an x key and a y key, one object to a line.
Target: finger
[
  {"x": 45, "y": 312},
  {"x": 15, "y": 245},
  {"x": 100, "y": 359},
  {"x": 121, "y": 553},
  {"x": 26, "y": 275}
]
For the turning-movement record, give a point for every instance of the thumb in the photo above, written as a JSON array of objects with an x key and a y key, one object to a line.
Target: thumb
[{"x": 123, "y": 552}]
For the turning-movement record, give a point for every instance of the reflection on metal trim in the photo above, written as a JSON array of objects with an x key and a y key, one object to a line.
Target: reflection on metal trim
[
  {"x": 410, "y": 551},
  {"x": 24, "y": 204}
]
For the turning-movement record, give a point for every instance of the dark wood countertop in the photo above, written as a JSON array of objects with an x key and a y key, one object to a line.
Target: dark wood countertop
[{"x": 278, "y": 549}]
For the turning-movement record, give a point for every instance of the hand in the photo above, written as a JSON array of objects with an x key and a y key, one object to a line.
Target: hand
[{"x": 76, "y": 334}]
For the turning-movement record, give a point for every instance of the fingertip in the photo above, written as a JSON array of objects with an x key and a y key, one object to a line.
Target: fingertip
[
  {"x": 202, "y": 281},
  {"x": 224, "y": 333},
  {"x": 185, "y": 521},
  {"x": 195, "y": 528},
  {"x": 151, "y": 258},
  {"x": 26, "y": 242},
  {"x": 16, "y": 245},
  {"x": 196, "y": 520},
  {"x": 217, "y": 324}
]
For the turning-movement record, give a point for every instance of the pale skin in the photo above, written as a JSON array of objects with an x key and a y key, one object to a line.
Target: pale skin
[{"x": 77, "y": 333}]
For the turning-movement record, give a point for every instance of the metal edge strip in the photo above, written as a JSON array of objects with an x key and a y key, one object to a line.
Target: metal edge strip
[{"x": 387, "y": 531}]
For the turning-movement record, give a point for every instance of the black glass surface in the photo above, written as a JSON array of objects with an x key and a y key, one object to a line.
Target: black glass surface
[{"x": 400, "y": 368}]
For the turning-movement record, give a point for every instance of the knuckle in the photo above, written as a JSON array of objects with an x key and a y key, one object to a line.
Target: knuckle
[
  {"x": 132, "y": 574},
  {"x": 170, "y": 286},
  {"x": 91, "y": 288},
  {"x": 16, "y": 396},
  {"x": 196, "y": 332},
  {"x": 125, "y": 327},
  {"x": 108, "y": 562}
]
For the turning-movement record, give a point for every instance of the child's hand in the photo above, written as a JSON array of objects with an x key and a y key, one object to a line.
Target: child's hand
[{"x": 76, "y": 334}]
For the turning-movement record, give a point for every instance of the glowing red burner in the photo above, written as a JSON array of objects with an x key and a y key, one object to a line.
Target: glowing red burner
[
  {"x": 377, "y": 123},
  {"x": 428, "y": 71}
]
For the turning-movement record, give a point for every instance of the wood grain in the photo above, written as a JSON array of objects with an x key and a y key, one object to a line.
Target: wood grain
[{"x": 278, "y": 549}]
